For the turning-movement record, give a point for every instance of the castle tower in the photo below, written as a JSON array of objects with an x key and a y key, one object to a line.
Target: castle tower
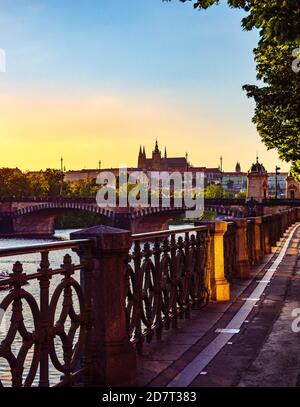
[
  {"x": 156, "y": 157},
  {"x": 292, "y": 187},
  {"x": 257, "y": 182},
  {"x": 142, "y": 158}
]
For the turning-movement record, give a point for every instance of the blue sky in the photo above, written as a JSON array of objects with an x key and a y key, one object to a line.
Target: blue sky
[
  {"x": 187, "y": 63},
  {"x": 139, "y": 43}
]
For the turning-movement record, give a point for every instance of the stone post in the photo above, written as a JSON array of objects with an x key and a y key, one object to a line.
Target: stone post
[
  {"x": 258, "y": 244},
  {"x": 220, "y": 289},
  {"x": 113, "y": 356},
  {"x": 266, "y": 226},
  {"x": 242, "y": 258}
]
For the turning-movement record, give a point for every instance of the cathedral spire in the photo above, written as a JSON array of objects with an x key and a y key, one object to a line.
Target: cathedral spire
[
  {"x": 144, "y": 152},
  {"x": 165, "y": 152},
  {"x": 141, "y": 158},
  {"x": 156, "y": 150}
]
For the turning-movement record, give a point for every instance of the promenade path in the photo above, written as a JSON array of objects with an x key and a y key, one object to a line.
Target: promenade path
[{"x": 247, "y": 341}]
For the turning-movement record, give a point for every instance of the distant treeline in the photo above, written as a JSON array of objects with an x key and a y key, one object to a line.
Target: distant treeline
[
  {"x": 51, "y": 183},
  {"x": 48, "y": 183}
]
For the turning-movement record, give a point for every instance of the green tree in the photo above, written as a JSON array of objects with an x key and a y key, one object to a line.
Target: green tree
[
  {"x": 277, "y": 113},
  {"x": 228, "y": 195},
  {"x": 241, "y": 195},
  {"x": 208, "y": 215},
  {"x": 13, "y": 182},
  {"x": 55, "y": 182},
  {"x": 83, "y": 188},
  {"x": 37, "y": 183},
  {"x": 213, "y": 191}
]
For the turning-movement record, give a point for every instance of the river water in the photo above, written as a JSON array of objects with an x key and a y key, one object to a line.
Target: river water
[{"x": 30, "y": 265}]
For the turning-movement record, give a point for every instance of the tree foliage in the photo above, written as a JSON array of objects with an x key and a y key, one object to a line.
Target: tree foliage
[
  {"x": 213, "y": 191},
  {"x": 50, "y": 183},
  {"x": 277, "y": 113}
]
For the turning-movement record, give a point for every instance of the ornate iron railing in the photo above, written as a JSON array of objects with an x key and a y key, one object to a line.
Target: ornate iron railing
[
  {"x": 166, "y": 278},
  {"x": 73, "y": 326},
  {"x": 54, "y": 317},
  {"x": 230, "y": 251}
]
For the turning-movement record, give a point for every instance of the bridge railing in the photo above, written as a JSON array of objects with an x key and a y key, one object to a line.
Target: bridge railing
[
  {"x": 248, "y": 240},
  {"x": 48, "y": 325},
  {"x": 89, "y": 319},
  {"x": 167, "y": 276},
  {"x": 85, "y": 321}
]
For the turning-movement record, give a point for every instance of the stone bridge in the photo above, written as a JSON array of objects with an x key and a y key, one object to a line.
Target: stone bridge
[{"x": 35, "y": 217}]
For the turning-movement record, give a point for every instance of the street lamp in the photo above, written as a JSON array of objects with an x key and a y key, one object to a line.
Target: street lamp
[{"x": 62, "y": 176}]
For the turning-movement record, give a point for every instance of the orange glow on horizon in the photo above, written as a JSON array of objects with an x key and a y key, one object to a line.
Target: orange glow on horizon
[{"x": 37, "y": 129}]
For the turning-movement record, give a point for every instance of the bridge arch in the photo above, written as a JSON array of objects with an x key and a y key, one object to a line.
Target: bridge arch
[
  {"x": 36, "y": 217},
  {"x": 59, "y": 206}
]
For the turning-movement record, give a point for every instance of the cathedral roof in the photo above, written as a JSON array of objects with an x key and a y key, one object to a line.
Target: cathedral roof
[{"x": 176, "y": 161}]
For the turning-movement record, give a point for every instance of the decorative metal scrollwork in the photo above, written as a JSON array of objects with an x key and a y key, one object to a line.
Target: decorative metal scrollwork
[
  {"x": 46, "y": 331},
  {"x": 166, "y": 277}
]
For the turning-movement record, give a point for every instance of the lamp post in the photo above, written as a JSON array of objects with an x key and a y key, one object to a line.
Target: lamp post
[
  {"x": 276, "y": 181},
  {"x": 62, "y": 176}
]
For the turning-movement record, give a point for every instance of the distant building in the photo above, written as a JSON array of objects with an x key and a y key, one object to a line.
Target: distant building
[
  {"x": 238, "y": 168},
  {"x": 292, "y": 187},
  {"x": 281, "y": 184},
  {"x": 157, "y": 162},
  {"x": 213, "y": 175},
  {"x": 257, "y": 182},
  {"x": 233, "y": 182},
  {"x": 76, "y": 175}
]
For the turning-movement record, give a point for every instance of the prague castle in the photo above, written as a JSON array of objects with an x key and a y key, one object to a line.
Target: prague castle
[
  {"x": 157, "y": 162},
  {"x": 257, "y": 179},
  {"x": 161, "y": 163}
]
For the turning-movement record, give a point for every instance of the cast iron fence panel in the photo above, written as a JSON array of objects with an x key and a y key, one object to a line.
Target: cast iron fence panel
[
  {"x": 49, "y": 316},
  {"x": 167, "y": 276}
]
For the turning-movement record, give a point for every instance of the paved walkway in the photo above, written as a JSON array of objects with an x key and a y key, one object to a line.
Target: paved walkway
[{"x": 247, "y": 341}]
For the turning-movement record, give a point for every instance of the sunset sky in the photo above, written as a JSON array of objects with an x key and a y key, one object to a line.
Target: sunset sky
[{"x": 91, "y": 80}]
